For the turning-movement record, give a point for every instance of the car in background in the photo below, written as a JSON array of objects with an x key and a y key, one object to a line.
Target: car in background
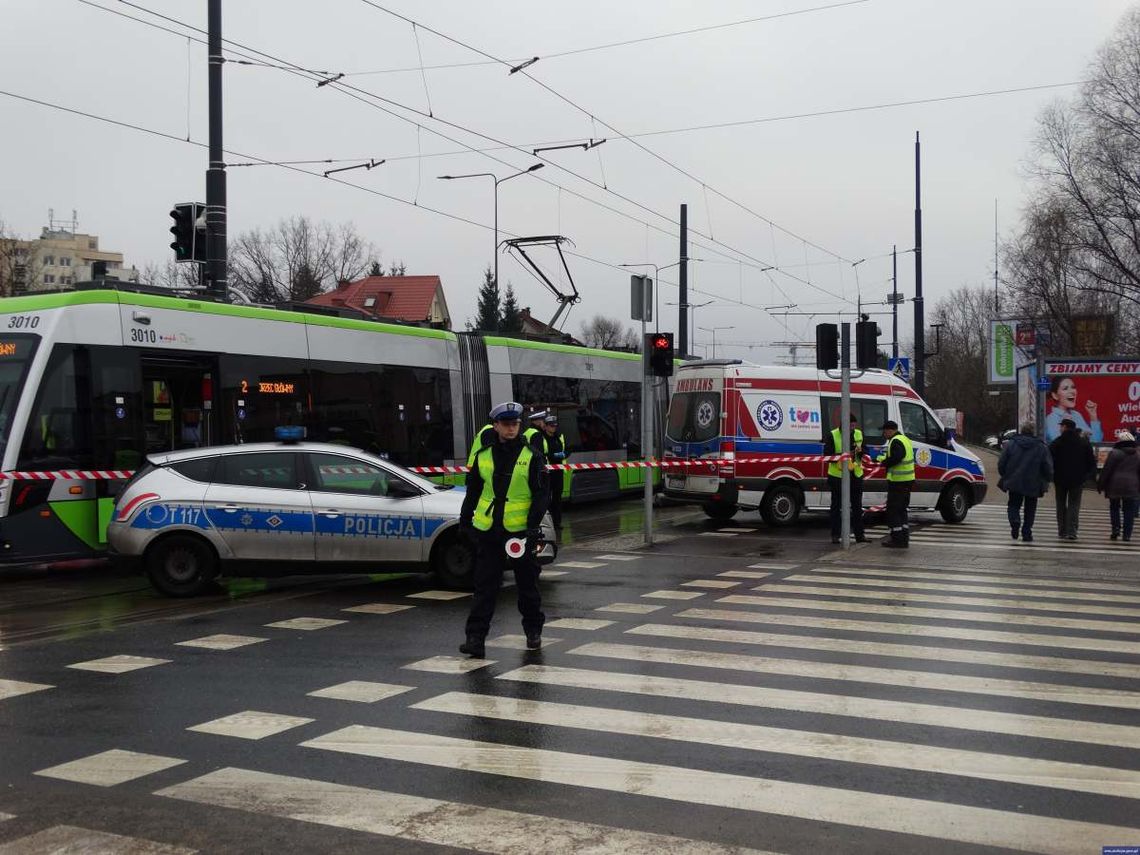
[{"x": 288, "y": 508}]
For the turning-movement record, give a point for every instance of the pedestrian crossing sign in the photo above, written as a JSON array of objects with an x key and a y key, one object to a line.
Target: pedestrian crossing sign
[{"x": 900, "y": 367}]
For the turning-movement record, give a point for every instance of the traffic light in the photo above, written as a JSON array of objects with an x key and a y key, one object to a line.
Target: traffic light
[
  {"x": 826, "y": 346},
  {"x": 660, "y": 348},
  {"x": 189, "y": 231},
  {"x": 866, "y": 344}
]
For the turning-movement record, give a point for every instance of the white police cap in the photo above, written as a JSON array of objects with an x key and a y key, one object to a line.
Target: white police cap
[
  {"x": 507, "y": 411},
  {"x": 537, "y": 414},
  {"x": 551, "y": 418}
]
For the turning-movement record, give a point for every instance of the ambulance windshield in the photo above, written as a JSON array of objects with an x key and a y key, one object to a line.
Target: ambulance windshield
[{"x": 693, "y": 417}]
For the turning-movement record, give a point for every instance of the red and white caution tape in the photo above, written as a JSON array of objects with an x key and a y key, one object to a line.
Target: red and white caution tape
[{"x": 671, "y": 463}]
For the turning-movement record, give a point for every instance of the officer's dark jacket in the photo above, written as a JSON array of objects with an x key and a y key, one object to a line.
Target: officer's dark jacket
[
  {"x": 556, "y": 445},
  {"x": 504, "y": 455},
  {"x": 896, "y": 451}
]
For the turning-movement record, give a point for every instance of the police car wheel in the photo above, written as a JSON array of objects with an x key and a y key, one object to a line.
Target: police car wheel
[
  {"x": 781, "y": 506},
  {"x": 954, "y": 504},
  {"x": 181, "y": 565},
  {"x": 720, "y": 511},
  {"x": 453, "y": 560}
]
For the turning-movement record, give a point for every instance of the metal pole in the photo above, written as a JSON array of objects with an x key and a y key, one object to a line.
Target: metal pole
[
  {"x": 919, "y": 317},
  {"x": 895, "y": 301},
  {"x": 646, "y": 421},
  {"x": 845, "y": 432},
  {"x": 216, "y": 173},
  {"x": 495, "y": 253},
  {"x": 997, "y": 301},
  {"x": 683, "y": 285},
  {"x": 1041, "y": 393}
]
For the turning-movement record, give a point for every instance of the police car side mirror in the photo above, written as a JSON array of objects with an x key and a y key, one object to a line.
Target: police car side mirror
[{"x": 402, "y": 490}]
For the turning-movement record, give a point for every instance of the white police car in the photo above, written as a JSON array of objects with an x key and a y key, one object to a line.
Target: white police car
[{"x": 287, "y": 508}]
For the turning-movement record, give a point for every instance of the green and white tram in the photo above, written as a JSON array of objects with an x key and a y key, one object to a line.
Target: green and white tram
[{"x": 97, "y": 379}]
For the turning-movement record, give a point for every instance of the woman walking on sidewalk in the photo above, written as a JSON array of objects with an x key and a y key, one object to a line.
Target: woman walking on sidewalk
[{"x": 1120, "y": 481}]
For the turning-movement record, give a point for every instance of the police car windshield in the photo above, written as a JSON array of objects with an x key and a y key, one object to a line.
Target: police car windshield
[{"x": 693, "y": 417}]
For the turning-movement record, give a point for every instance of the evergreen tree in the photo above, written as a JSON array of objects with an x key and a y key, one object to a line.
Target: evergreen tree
[
  {"x": 375, "y": 269},
  {"x": 510, "y": 321},
  {"x": 488, "y": 314},
  {"x": 306, "y": 284}
]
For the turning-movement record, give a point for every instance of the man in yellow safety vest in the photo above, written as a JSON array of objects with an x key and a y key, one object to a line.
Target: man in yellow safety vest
[
  {"x": 835, "y": 482},
  {"x": 898, "y": 458},
  {"x": 507, "y": 496}
]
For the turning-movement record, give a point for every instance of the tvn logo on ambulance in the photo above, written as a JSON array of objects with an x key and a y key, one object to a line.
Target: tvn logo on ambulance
[{"x": 771, "y": 416}]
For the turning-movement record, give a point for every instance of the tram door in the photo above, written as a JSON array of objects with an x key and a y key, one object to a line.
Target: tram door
[{"x": 178, "y": 402}]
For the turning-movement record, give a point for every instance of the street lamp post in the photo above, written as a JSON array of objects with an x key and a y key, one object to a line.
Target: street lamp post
[
  {"x": 497, "y": 181},
  {"x": 713, "y": 331},
  {"x": 693, "y": 313}
]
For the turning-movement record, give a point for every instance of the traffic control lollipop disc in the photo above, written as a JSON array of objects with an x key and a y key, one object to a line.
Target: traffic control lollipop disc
[{"x": 516, "y": 547}]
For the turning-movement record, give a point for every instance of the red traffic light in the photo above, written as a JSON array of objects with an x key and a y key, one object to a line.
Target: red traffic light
[{"x": 661, "y": 342}]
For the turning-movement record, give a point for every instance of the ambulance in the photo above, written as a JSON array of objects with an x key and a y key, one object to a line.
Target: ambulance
[{"x": 755, "y": 423}]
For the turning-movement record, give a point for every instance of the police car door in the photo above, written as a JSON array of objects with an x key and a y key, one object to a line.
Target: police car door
[
  {"x": 260, "y": 508},
  {"x": 364, "y": 511}
]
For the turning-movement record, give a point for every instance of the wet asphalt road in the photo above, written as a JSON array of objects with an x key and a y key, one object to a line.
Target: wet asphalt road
[{"x": 732, "y": 689}]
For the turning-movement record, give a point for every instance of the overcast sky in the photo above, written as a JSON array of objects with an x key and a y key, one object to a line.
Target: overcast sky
[{"x": 843, "y": 182}]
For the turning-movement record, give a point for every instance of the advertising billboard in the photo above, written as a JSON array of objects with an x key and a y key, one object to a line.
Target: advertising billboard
[
  {"x": 1101, "y": 396},
  {"x": 1011, "y": 346}
]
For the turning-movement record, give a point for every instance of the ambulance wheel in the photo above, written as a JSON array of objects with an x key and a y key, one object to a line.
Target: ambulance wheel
[
  {"x": 453, "y": 560},
  {"x": 781, "y": 506},
  {"x": 954, "y": 503},
  {"x": 720, "y": 512},
  {"x": 181, "y": 565}
]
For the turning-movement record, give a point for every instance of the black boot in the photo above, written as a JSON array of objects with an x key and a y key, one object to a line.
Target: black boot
[
  {"x": 473, "y": 647},
  {"x": 533, "y": 640}
]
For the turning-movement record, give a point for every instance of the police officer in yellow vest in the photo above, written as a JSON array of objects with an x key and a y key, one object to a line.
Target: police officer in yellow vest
[
  {"x": 534, "y": 435},
  {"x": 835, "y": 482},
  {"x": 898, "y": 458},
  {"x": 482, "y": 439},
  {"x": 507, "y": 495}
]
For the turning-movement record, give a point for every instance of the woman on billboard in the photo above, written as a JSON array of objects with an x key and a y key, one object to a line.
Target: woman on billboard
[{"x": 1063, "y": 393}]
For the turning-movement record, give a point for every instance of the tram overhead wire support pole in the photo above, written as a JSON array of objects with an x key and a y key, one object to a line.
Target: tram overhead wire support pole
[
  {"x": 216, "y": 271},
  {"x": 919, "y": 314},
  {"x": 497, "y": 181},
  {"x": 845, "y": 433}
]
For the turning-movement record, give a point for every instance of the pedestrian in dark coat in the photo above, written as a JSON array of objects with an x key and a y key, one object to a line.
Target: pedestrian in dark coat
[
  {"x": 1120, "y": 481},
  {"x": 1073, "y": 463},
  {"x": 1026, "y": 469}
]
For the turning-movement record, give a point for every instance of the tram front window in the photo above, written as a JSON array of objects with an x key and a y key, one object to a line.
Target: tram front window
[{"x": 15, "y": 354}]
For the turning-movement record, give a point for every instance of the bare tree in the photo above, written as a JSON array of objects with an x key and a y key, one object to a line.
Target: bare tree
[
  {"x": 609, "y": 334},
  {"x": 957, "y": 376},
  {"x": 176, "y": 277},
  {"x": 19, "y": 263},
  {"x": 1088, "y": 164},
  {"x": 298, "y": 258}
]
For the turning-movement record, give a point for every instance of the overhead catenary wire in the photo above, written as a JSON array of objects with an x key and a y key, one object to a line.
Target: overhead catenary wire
[
  {"x": 361, "y": 95},
  {"x": 606, "y": 124},
  {"x": 297, "y": 169},
  {"x": 623, "y": 43}
]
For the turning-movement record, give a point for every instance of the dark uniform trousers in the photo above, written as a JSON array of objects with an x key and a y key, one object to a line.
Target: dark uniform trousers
[
  {"x": 491, "y": 562},
  {"x": 898, "y": 504},
  {"x": 836, "y": 485},
  {"x": 556, "y": 496}
]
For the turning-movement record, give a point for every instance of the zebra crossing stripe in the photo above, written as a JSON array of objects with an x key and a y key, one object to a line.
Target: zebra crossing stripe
[
  {"x": 909, "y": 585},
  {"x": 900, "y": 814},
  {"x": 777, "y": 603},
  {"x": 765, "y": 697},
  {"x": 924, "y": 599},
  {"x": 883, "y": 676},
  {"x": 1022, "y": 581},
  {"x": 414, "y": 818},
  {"x": 911, "y": 631},
  {"x": 70, "y": 838},
  {"x": 1101, "y": 780},
  {"x": 13, "y": 688},
  {"x": 973, "y": 542},
  {"x": 1127, "y": 670}
]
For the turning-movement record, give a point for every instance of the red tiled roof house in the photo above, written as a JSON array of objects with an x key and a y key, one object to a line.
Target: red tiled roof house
[{"x": 415, "y": 299}]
